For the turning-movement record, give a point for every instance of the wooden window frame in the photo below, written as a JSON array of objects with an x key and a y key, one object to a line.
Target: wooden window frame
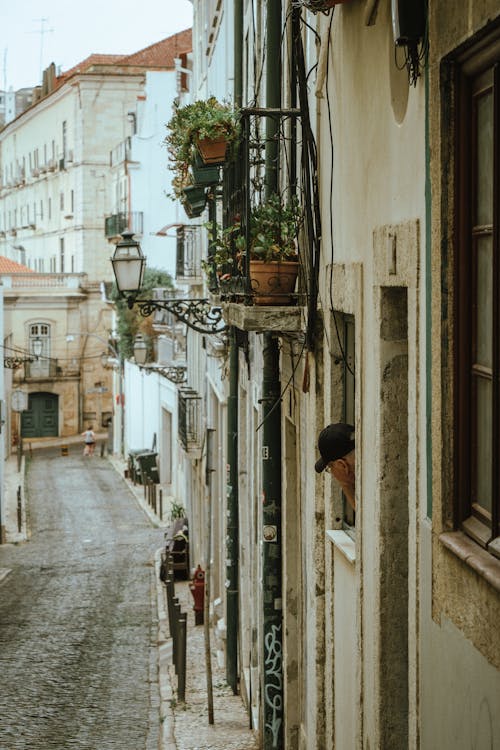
[{"x": 474, "y": 63}]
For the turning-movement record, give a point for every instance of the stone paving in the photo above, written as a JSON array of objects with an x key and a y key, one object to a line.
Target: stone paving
[
  {"x": 65, "y": 682},
  {"x": 78, "y": 635},
  {"x": 188, "y": 722}
]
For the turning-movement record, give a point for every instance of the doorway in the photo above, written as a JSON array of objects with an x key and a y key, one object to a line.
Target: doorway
[{"x": 41, "y": 418}]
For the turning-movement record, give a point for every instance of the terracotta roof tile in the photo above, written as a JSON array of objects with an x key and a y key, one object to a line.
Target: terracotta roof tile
[
  {"x": 158, "y": 55},
  {"x": 161, "y": 54},
  {"x": 10, "y": 266}
]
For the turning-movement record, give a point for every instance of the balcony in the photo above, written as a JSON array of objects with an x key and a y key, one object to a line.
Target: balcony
[
  {"x": 188, "y": 264},
  {"x": 121, "y": 153},
  {"x": 259, "y": 290},
  {"x": 189, "y": 420},
  {"x": 115, "y": 224},
  {"x": 45, "y": 367}
]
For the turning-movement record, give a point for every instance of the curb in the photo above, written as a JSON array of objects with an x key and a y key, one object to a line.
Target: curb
[{"x": 167, "y": 738}]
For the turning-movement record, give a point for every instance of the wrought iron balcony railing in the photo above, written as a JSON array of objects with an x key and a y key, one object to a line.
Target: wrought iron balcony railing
[
  {"x": 188, "y": 263},
  {"x": 189, "y": 419},
  {"x": 44, "y": 367},
  {"x": 117, "y": 223}
]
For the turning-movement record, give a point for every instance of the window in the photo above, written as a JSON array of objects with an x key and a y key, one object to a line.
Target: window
[
  {"x": 61, "y": 255},
  {"x": 72, "y": 201},
  {"x": 477, "y": 295},
  {"x": 64, "y": 138},
  {"x": 50, "y": 208},
  {"x": 346, "y": 331},
  {"x": 61, "y": 200},
  {"x": 41, "y": 210}
]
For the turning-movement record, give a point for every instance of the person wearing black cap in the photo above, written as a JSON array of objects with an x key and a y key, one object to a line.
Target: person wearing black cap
[{"x": 336, "y": 447}]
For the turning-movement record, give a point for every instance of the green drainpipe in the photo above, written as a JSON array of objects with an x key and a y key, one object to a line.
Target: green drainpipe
[
  {"x": 232, "y": 539},
  {"x": 272, "y": 673}
]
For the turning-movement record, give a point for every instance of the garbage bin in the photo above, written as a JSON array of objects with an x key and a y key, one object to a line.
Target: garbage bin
[
  {"x": 134, "y": 470},
  {"x": 148, "y": 466}
]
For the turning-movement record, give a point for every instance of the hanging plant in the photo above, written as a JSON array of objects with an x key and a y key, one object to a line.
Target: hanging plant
[{"x": 198, "y": 123}]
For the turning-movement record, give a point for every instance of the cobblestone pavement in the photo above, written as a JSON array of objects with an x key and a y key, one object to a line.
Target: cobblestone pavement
[
  {"x": 230, "y": 730},
  {"x": 78, "y": 635}
]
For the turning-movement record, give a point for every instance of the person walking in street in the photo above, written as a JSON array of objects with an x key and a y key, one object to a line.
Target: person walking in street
[{"x": 89, "y": 438}]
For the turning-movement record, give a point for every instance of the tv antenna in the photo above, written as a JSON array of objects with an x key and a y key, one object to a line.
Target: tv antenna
[{"x": 42, "y": 31}]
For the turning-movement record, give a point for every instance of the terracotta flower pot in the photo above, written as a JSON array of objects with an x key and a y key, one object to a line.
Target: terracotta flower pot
[
  {"x": 212, "y": 150},
  {"x": 273, "y": 283}
]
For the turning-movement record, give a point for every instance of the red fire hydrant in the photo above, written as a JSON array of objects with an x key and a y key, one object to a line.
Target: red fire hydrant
[{"x": 197, "y": 588}]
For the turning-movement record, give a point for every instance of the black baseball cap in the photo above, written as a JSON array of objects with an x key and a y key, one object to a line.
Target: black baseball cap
[{"x": 334, "y": 442}]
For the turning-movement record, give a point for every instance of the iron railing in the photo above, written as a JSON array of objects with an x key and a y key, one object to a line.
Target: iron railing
[
  {"x": 188, "y": 264},
  {"x": 189, "y": 419},
  {"x": 117, "y": 223},
  {"x": 45, "y": 367}
]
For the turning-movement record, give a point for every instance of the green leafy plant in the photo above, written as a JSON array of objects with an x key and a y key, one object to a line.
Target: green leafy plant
[
  {"x": 196, "y": 121},
  {"x": 177, "y": 511},
  {"x": 274, "y": 226}
]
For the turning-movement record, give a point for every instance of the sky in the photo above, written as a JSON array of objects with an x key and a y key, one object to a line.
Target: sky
[{"x": 73, "y": 31}]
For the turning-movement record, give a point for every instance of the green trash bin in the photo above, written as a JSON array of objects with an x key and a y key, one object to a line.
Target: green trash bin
[
  {"x": 148, "y": 466},
  {"x": 134, "y": 470}
]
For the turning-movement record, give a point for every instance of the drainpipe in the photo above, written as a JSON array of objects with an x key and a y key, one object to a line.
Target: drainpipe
[
  {"x": 272, "y": 673},
  {"x": 232, "y": 539}
]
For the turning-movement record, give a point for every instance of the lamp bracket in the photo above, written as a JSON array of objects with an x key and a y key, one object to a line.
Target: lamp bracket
[
  {"x": 14, "y": 363},
  {"x": 198, "y": 314},
  {"x": 175, "y": 373}
]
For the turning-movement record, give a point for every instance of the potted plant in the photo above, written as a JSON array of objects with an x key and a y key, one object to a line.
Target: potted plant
[
  {"x": 193, "y": 199},
  {"x": 273, "y": 260},
  {"x": 195, "y": 129}
]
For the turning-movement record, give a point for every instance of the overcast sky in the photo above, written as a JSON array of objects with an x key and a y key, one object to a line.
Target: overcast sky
[{"x": 73, "y": 31}]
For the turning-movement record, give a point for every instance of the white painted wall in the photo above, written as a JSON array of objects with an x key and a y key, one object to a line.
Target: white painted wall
[{"x": 150, "y": 177}]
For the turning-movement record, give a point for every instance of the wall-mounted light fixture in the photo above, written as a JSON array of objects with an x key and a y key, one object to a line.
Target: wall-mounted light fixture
[{"x": 128, "y": 266}]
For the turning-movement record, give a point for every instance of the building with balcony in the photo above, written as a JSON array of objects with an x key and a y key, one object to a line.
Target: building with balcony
[
  {"x": 140, "y": 178},
  {"x": 58, "y": 162},
  {"x": 372, "y": 626}
]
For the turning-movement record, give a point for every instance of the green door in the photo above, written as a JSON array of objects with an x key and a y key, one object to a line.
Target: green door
[{"x": 41, "y": 418}]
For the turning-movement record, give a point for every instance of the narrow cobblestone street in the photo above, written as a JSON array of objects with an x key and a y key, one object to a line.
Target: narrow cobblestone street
[{"x": 78, "y": 657}]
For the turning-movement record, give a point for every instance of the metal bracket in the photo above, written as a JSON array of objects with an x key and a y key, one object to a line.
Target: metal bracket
[{"x": 198, "y": 314}]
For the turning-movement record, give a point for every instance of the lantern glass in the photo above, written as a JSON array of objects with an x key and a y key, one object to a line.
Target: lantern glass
[
  {"x": 140, "y": 349},
  {"x": 37, "y": 346},
  {"x": 128, "y": 265}
]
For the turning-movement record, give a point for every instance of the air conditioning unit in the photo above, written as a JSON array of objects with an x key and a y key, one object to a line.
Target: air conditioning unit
[
  {"x": 62, "y": 165},
  {"x": 69, "y": 157},
  {"x": 51, "y": 165},
  {"x": 35, "y": 172}
]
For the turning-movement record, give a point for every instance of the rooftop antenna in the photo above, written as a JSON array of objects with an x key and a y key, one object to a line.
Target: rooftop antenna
[
  {"x": 5, "y": 69},
  {"x": 42, "y": 31}
]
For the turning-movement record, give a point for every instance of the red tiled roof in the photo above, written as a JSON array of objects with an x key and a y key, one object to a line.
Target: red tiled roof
[
  {"x": 158, "y": 55},
  {"x": 10, "y": 266},
  {"x": 162, "y": 53}
]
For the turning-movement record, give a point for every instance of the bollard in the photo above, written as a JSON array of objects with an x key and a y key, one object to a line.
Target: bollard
[
  {"x": 181, "y": 658},
  {"x": 175, "y": 639},
  {"x": 154, "y": 497},
  {"x": 19, "y": 510},
  {"x": 169, "y": 586},
  {"x": 161, "y": 505},
  {"x": 64, "y": 450}
]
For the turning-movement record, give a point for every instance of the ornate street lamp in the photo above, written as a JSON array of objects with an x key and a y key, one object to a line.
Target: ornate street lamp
[
  {"x": 128, "y": 266},
  {"x": 140, "y": 349}
]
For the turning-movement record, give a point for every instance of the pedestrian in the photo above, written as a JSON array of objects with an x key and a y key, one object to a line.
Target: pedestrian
[
  {"x": 337, "y": 448},
  {"x": 89, "y": 438}
]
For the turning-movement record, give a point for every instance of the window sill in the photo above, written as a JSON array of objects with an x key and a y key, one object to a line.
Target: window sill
[
  {"x": 484, "y": 564},
  {"x": 344, "y": 544}
]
